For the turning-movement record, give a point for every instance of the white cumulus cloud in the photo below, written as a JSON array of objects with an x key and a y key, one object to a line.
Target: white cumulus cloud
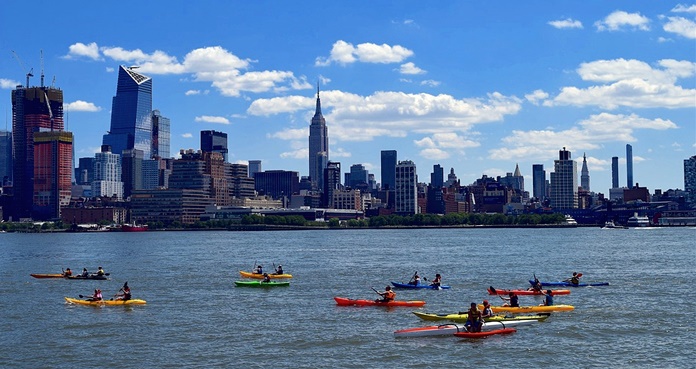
[
  {"x": 566, "y": 23},
  {"x": 212, "y": 119},
  {"x": 681, "y": 26},
  {"x": 619, "y": 20},
  {"x": 410, "y": 68},
  {"x": 346, "y": 53},
  {"x": 80, "y": 50},
  {"x": 8, "y": 83},
  {"x": 80, "y": 105},
  {"x": 186, "y": 135}
]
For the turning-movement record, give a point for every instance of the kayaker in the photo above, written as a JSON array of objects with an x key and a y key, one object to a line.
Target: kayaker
[
  {"x": 575, "y": 279},
  {"x": 513, "y": 300},
  {"x": 387, "y": 295},
  {"x": 100, "y": 272},
  {"x": 124, "y": 293},
  {"x": 67, "y": 273},
  {"x": 473, "y": 319},
  {"x": 548, "y": 300},
  {"x": 536, "y": 286},
  {"x": 415, "y": 280},
  {"x": 97, "y": 296},
  {"x": 266, "y": 278},
  {"x": 85, "y": 273},
  {"x": 437, "y": 281},
  {"x": 279, "y": 269},
  {"x": 487, "y": 311},
  {"x": 259, "y": 270}
]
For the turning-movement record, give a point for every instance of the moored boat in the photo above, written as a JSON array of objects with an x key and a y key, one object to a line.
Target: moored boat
[
  {"x": 261, "y": 284},
  {"x": 260, "y": 276},
  {"x": 342, "y": 301},
  {"x": 134, "y": 227},
  {"x": 485, "y": 334},
  {"x": 105, "y": 302},
  {"x": 419, "y": 286},
  {"x": 450, "y": 329},
  {"x": 498, "y": 291},
  {"x": 638, "y": 221},
  {"x": 461, "y": 317}
]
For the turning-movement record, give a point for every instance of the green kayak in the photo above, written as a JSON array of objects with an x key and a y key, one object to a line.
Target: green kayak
[{"x": 261, "y": 284}]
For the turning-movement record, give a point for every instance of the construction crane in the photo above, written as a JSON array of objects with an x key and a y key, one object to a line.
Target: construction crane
[
  {"x": 42, "y": 74},
  {"x": 50, "y": 112},
  {"x": 21, "y": 64}
]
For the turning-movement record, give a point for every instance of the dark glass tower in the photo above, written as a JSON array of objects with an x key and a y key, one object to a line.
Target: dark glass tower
[
  {"x": 539, "y": 181},
  {"x": 214, "y": 141},
  {"x": 615, "y": 172},
  {"x": 131, "y": 114},
  {"x": 161, "y": 140},
  {"x": 629, "y": 166},
  {"x": 388, "y": 169},
  {"x": 318, "y": 142}
]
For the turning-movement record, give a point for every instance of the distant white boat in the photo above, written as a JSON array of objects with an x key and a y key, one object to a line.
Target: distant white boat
[
  {"x": 569, "y": 220},
  {"x": 611, "y": 225},
  {"x": 638, "y": 221}
]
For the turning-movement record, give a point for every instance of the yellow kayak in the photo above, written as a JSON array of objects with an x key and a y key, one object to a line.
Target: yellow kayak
[
  {"x": 105, "y": 302},
  {"x": 260, "y": 276},
  {"x": 461, "y": 318},
  {"x": 530, "y": 309}
]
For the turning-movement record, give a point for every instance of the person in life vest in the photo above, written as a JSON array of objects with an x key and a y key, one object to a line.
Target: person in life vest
[
  {"x": 85, "y": 273},
  {"x": 437, "y": 281},
  {"x": 513, "y": 300},
  {"x": 575, "y": 279},
  {"x": 67, "y": 273},
  {"x": 415, "y": 280},
  {"x": 473, "y": 319},
  {"x": 487, "y": 311},
  {"x": 387, "y": 295},
  {"x": 279, "y": 270},
  {"x": 536, "y": 286},
  {"x": 548, "y": 300},
  {"x": 97, "y": 296},
  {"x": 100, "y": 272},
  {"x": 259, "y": 270},
  {"x": 124, "y": 293},
  {"x": 266, "y": 278}
]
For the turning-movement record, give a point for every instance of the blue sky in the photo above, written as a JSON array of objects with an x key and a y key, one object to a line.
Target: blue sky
[{"x": 478, "y": 86}]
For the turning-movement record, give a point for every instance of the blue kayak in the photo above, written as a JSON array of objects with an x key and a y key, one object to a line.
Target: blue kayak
[
  {"x": 419, "y": 286},
  {"x": 568, "y": 284}
]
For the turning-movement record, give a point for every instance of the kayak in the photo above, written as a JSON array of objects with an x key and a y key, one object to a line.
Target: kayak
[
  {"x": 497, "y": 291},
  {"x": 450, "y": 329},
  {"x": 342, "y": 301},
  {"x": 485, "y": 334},
  {"x": 418, "y": 286},
  {"x": 261, "y": 284},
  {"x": 461, "y": 318},
  {"x": 568, "y": 284},
  {"x": 105, "y": 302},
  {"x": 530, "y": 309},
  {"x": 54, "y": 275},
  {"x": 91, "y": 276},
  {"x": 260, "y": 276}
]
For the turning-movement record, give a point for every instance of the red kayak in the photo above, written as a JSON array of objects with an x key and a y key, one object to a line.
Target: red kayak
[
  {"x": 497, "y": 291},
  {"x": 342, "y": 301},
  {"x": 485, "y": 334}
]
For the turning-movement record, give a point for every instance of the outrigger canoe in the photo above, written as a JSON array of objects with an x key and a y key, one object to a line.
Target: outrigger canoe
[
  {"x": 485, "y": 334},
  {"x": 260, "y": 276},
  {"x": 342, "y": 301},
  {"x": 450, "y": 329},
  {"x": 261, "y": 284},
  {"x": 498, "y": 291},
  {"x": 419, "y": 286},
  {"x": 105, "y": 302},
  {"x": 530, "y": 309},
  {"x": 53, "y": 275},
  {"x": 461, "y": 318},
  {"x": 568, "y": 284}
]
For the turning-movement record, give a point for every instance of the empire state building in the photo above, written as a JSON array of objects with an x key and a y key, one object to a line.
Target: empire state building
[{"x": 318, "y": 145}]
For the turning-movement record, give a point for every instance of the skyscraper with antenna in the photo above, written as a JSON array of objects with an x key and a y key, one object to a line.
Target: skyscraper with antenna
[{"x": 318, "y": 145}]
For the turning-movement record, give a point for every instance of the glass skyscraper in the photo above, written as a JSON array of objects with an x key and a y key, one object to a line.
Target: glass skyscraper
[
  {"x": 161, "y": 140},
  {"x": 214, "y": 141},
  {"x": 388, "y": 169},
  {"x": 131, "y": 114},
  {"x": 564, "y": 182}
]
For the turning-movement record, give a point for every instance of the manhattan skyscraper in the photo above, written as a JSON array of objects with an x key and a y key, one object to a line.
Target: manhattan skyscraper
[
  {"x": 318, "y": 144},
  {"x": 131, "y": 114}
]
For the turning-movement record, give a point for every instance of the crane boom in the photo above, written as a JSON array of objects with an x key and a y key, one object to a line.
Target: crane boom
[{"x": 21, "y": 64}]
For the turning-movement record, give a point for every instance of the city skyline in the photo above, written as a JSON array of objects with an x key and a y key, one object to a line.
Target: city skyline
[{"x": 466, "y": 86}]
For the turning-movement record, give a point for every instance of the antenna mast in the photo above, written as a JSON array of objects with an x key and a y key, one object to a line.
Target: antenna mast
[{"x": 42, "y": 74}]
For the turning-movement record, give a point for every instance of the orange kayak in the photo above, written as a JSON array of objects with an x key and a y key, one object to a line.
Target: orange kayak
[
  {"x": 342, "y": 301},
  {"x": 53, "y": 275}
]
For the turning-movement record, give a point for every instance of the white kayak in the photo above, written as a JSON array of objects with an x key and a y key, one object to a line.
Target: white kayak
[{"x": 450, "y": 329}]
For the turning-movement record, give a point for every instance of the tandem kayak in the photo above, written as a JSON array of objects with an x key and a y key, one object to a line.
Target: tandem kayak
[
  {"x": 261, "y": 284},
  {"x": 342, "y": 301},
  {"x": 105, "y": 302},
  {"x": 260, "y": 276},
  {"x": 91, "y": 277},
  {"x": 461, "y": 318},
  {"x": 498, "y": 291},
  {"x": 450, "y": 329},
  {"x": 568, "y": 284},
  {"x": 485, "y": 334},
  {"x": 419, "y": 286},
  {"x": 54, "y": 275},
  {"x": 530, "y": 309}
]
